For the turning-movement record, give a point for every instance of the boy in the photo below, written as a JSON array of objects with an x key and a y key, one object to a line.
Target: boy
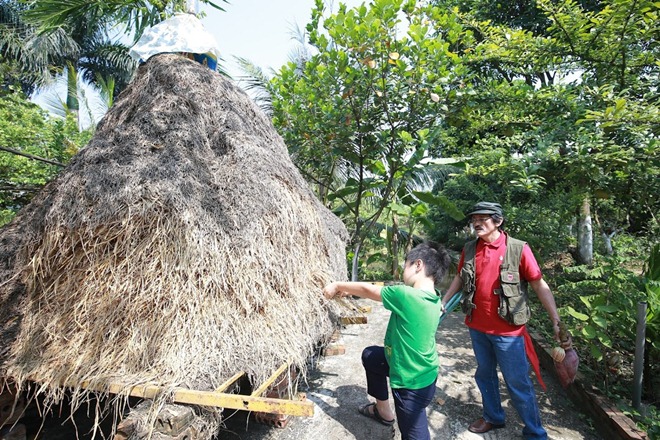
[{"x": 409, "y": 357}]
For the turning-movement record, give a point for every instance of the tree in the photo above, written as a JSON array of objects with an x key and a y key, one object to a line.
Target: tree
[
  {"x": 616, "y": 48},
  {"x": 33, "y": 148},
  {"x": 98, "y": 56},
  {"x": 589, "y": 134},
  {"x": 26, "y": 54},
  {"x": 359, "y": 116},
  {"x": 515, "y": 14}
]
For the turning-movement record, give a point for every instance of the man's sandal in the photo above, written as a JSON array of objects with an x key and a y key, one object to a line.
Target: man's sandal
[{"x": 364, "y": 410}]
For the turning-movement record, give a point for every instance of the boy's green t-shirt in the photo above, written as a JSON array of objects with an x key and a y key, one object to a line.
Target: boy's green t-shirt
[{"x": 410, "y": 337}]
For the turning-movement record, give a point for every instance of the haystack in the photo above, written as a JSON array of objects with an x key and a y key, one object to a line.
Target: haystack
[{"x": 179, "y": 247}]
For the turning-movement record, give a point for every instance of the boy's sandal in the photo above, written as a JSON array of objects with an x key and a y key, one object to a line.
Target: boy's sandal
[{"x": 364, "y": 410}]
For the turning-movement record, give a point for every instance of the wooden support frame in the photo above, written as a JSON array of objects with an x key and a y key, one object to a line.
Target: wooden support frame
[
  {"x": 255, "y": 402},
  {"x": 229, "y": 382},
  {"x": 264, "y": 386},
  {"x": 347, "y": 320},
  {"x": 301, "y": 407},
  {"x": 357, "y": 310}
]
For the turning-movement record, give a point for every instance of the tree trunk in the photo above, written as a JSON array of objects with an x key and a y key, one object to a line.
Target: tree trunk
[
  {"x": 585, "y": 234},
  {"x": 72, "y": 104},
  {"x": 356, "y": 259},
  {"x": 395, "y": 247},
  {"x": 607, "y": 238}
]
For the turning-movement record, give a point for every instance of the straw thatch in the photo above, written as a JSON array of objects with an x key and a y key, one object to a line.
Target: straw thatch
[{"x": 179, "y": 247}]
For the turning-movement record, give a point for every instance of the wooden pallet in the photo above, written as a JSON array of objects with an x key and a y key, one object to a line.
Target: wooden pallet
[
  {"x": 219, "y": 398},
  {"x": 356, "y": 313},
  {"x": 269, "y": 402}
]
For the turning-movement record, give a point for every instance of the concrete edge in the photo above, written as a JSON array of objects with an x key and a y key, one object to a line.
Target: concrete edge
[{"x": 609, "y": 421}]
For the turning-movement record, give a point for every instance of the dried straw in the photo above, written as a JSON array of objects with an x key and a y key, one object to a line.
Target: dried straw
[{"x": 179, "y": 247}]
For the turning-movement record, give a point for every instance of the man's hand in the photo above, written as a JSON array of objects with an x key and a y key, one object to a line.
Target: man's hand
[{"x": 555, "y": 329}]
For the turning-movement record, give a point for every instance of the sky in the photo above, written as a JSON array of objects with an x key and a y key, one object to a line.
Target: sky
[{"x": 259, "y": 30}]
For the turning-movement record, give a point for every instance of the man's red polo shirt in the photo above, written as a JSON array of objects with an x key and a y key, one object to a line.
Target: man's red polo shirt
[{"x": 488, "y": 259}]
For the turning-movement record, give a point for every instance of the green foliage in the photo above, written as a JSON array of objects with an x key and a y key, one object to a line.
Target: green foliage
[
  {"x": 24, "y": 51},
  {"x": 598, "y": 135},
  {"x": 616, "y": 42},
  {"x": 133, "y": 15},
  {"x": 361, "y": 116},
  {"x": 27, "y": 128},
  {"x": 601, "y": 303},
  {"x": 532, "y": 212},
  {"x": 376, "y": 266},
  {"x": 602, "y": 310},
  {"x": 516, "y": 14},
  {"x": 652, "y": 288}
]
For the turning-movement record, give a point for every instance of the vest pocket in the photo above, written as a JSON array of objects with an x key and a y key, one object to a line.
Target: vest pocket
[{"x": 513, "y": 301}]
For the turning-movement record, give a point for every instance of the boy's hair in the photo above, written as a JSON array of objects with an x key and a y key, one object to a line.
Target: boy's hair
[{"x": 435, "y": 257}]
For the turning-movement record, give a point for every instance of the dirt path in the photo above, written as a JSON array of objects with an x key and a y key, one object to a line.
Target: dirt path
[{"x": 339, "y": 387}]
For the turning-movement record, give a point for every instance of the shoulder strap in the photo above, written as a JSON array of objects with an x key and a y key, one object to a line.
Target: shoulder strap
[
  {"x": 470, "y": 250},
  {"x": 514, "y": 250}
]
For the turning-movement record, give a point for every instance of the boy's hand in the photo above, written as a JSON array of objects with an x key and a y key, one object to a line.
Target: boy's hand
[{"x": 330, "y": 290}]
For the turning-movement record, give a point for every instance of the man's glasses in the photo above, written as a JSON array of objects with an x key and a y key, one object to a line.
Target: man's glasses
[{"x": 474, "y": 220}]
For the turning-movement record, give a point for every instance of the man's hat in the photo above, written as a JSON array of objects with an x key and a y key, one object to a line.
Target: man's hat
[{"x": 486, "y": 208}]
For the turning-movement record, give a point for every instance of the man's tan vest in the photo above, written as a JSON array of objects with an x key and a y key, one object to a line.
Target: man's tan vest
[{"x": 513, "y": 293}]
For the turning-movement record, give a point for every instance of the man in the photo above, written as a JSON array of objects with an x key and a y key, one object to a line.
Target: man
[{"x": 495, "y": 303}]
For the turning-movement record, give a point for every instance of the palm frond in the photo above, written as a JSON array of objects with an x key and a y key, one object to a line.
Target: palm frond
[
  {"x": 53, "y": 102},
  {"x": 51, "y": 47},
  {"x": 215, "y": 5},
  {"x": 48, "y": 15},
  {"x": 10, "y": 13},
  {"x": 256, "y": 81},
  {"x": 302, "y": 51},
  {"x": 134, "y": 15},
  {"x": 53, "y": 14},
  {"x": 104, "y": 59},
  {"x": 106, "y": 91},
  {"x": 34, "y": 52}
]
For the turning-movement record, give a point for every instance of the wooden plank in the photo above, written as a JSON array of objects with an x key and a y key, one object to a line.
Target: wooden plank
[
  {"x": 229, "y": 382},
  {"x": 346, "y": 320},
  {"x": 335, "y": 336},
  {"x": 264, "y": 386},
  {"x": 302, "y": 407}
]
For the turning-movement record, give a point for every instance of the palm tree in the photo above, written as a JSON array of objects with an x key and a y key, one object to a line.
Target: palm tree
[
  {"x": 97, "y": 58},
  {"x": 100, "y": 58},
  {"x": 25, "y": 53},
  {"x": 255, "y": 80}
]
